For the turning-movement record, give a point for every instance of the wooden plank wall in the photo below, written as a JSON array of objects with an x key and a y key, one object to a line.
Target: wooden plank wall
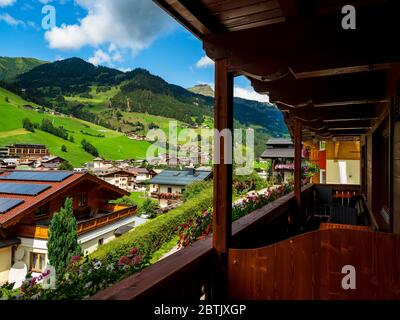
[
  {"x": 396, "y": 178},
  {"x": 309, "y": 267},
  {"x": 369, "y": 170}
]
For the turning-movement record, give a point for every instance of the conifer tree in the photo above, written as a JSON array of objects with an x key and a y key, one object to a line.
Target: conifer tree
[{"x": 62, "y": 244}]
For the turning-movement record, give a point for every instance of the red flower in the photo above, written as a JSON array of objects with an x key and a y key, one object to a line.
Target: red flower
[
  {"x": 134, "y": 251},
  {"x": 123, "y": 261},
  {"x": 76, "y": 258}
]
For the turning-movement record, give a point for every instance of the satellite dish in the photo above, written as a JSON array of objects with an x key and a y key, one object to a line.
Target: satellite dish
[
  {"x": 19, "y": 254},
  {"x": 17, "y": 274}
]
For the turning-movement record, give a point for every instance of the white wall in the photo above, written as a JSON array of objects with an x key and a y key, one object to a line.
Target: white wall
[
  {"x": 352, "y": 171},
  {"x": 5, "y": 263}
]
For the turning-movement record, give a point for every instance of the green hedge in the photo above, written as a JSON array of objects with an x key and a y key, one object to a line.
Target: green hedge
[{"x": 150, "y": 236}]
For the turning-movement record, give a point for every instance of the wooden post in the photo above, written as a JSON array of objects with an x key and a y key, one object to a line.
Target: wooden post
[
  {"x": 297, "y": 167},
  {"x": 222, "y": 217}
]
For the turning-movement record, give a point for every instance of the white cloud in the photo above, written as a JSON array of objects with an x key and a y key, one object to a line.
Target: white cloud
[
  {"x": 125, "y": 69},
  {"x": 244, "y": 93},
  {"x": 102, "y": 57},
  {"x": 250, "y": 94},
  {"x": 204, "y": 62},
  {"x": 11, "y": 20},
  {"x": 124, "y": 24},
  {"x": 6, "y": 3}
]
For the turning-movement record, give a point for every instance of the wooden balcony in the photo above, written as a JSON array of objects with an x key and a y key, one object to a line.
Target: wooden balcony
[
  {"x": 271, "y": 259},
  {"x": 84, "y": 226}
]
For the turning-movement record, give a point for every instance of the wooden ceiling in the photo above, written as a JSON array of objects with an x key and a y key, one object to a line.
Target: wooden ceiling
[{"x": 333, "y": 80}]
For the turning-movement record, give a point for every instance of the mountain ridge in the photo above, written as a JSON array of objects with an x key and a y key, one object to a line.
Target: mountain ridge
[{"x": 108, "y": 97}]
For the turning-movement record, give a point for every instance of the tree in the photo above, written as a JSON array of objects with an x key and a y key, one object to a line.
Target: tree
[
  {"x": 63, "y": 238},
  {"x": 63, "y": 148},
  {"x": 7, "y": 99},
  {"x": 66, "y": 166},
  {"x": 89, "y": 148},
  {"x": 149, "y": 207},
  {"x": 71, "y": 139},
  {"x": 28, "y": 125}
]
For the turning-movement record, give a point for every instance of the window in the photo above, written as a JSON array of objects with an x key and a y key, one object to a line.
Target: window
[
  {"x": 42, "y": 211},
  {"x": 100, "y": 242},
  {"x": 169, "y": 190},
  {"x": 83, "y": 200},
  {"x": 183, "y": 190},
  {"x": 37, "y": 261},
  {"x": 322, "y": 145}
]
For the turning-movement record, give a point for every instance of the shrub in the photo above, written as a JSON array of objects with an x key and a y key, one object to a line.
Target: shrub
[
  {"x": 89, "y": 148},
  {"x": 149, "y": 236},
  {"x": 125, "y": 200},
  {"x": 64, "y": 148},
  {"x": 149, "y": 207},
  {"x": 195, "y": 188},
  {"x": 28, "y": 125}
]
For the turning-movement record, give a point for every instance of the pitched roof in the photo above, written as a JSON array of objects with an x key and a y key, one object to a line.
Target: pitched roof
[
  {"x": 279, "y": 141},
  {"x": 278, "y": 153},
  {"x": 180, "y": 177},
  {"x": 139, "y": 170},
  {"x": 30, "y": 202},
  {"x": 114, "y": 172}
]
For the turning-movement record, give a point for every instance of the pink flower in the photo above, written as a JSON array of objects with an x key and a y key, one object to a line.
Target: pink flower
[
  {"x": 76, "y": 258},
  {"x": 123, "y": 261},
  {"x": 134, "y": 251},
  {"x": 136, "y": 260}
]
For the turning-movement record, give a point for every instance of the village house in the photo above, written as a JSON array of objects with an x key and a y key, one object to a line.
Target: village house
[
  {"x": 27, "y": 151},
  {"x": 169, "y": 185},
  {"x": 50, "y": 163},
  {"x": 123, "y": 179},
  {"x": 28, "y": 200},
  {"x": 280, "y": 152}
]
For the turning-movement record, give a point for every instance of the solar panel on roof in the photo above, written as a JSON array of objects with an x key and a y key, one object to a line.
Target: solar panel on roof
[
  {"x": 6, "y": 204},
  {"x": 37, "y": 176},
  {"x": 23, "y": 189}
]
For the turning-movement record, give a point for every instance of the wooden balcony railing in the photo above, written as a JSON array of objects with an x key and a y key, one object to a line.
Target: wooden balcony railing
[
  {"x": 42, "y": 232},
  {"x": 310, "y": 265},
  {"x": 95, "y": 223},
  {"x": 188, "y": 274}
]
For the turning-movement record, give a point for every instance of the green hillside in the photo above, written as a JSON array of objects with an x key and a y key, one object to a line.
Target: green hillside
[
  {"x": 113, "y": 146},
  {"x": 10, "y": 68},
  {"x": 128, "y": 102}
]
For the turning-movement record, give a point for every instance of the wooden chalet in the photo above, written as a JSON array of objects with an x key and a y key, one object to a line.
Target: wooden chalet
[
  {"x": 329, "y": 82},
  {"x": 29, "y": 199}
]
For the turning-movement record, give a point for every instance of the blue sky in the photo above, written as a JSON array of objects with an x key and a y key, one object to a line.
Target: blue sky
[{"x": 123, "y": 34}]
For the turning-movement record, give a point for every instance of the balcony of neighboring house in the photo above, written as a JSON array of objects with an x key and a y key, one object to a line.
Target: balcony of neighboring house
[{"x": 94, "y": 220}]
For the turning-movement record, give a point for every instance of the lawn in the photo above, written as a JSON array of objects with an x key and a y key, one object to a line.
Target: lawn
[{"x": 139, "y": 197}]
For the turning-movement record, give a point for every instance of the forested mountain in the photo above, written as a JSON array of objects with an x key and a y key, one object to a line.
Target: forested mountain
[
  {"x": 10, "y": 68},
  {"x": 109, "y": 97}
]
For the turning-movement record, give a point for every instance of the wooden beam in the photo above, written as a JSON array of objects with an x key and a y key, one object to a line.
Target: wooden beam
[
  {"x": 313, "y": 43},
  {"x": 297, "y": 163},
  {"x": 341, "y": 113},
  {"x": 173, "y": 12},
  {"x": 222, "y": 216},
  {"x": 203, "y": 15},
  {"x": 343, "y": 88},
  {"x": 340, "y": 70}
]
